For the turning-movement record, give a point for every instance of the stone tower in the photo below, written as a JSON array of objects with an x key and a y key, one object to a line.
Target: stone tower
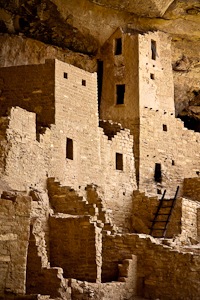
[{"x": 137, "y": 76}]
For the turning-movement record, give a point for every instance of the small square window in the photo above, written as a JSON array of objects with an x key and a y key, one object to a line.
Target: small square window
[
  {"x": 152, "y": 76},
  {"x": 69, "y": 149},
  {"x": 84, "y": 82},
  {"x": 65, "y": 75},
  {"x": 164, "y": 127},
  {"x": 119, "y": 161}
]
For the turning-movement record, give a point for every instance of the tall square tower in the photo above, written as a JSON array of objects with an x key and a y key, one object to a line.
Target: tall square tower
[{"x": 137, "y": 75}]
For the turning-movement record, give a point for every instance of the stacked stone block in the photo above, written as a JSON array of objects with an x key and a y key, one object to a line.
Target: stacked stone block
[
  {"x": 74, "y": 248},
  {"x": 161, "y": 271},
  {"x": 14, "y": 235}
]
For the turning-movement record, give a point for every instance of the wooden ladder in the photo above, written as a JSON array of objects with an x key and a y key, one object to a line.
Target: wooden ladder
[{"x": 163, "y": 205}]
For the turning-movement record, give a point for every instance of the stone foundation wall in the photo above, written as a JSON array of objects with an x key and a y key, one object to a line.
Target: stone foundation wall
[
  {"x": 14, "y": 236},
  {"x": 161, "y": 272}
]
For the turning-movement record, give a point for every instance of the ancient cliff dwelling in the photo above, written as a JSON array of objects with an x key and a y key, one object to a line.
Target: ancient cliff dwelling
[{"x": 99, "y": 150}]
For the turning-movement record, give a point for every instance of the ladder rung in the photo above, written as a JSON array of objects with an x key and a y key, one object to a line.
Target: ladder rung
[
  {"x": 162, "y": 214},
  {"x": 158, "y": 229},
  {"x": 168, "y": 200},
  {"x": 158, "y": 236},
  {"x": 158, "y": 221},
  {"x": 166, "y": 206}
]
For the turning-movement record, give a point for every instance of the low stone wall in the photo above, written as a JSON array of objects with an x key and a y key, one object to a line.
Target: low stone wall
[
  {"x": 14, "y": 235},
  {"x": 125, "y": 289},
  {"x": 161, "y": 271}
]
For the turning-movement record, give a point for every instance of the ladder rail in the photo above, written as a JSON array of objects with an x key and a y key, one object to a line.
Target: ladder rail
[
  {"x": 159, "y": 206},
  {"x": 168, "y": 214}
]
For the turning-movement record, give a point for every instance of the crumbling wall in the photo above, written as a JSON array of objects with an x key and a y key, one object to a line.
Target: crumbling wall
[
  {"x": 124, "y": 288},
  {"x": 161, "y": 271},
  {"x": 93, "y": 155},
  {"x": 75, "y": 245},
  {"x": 26, "y": 161},
  {"x": 14, "y": 236},
  {"x": 164, "y": 140}
]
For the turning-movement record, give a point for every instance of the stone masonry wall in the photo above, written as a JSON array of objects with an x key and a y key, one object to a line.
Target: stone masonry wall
[
  {"x": 191, "y": 188},
  {"x": 30, "y": 87},
  {"x": 190, "y": 218},
  {"x": 118, "y": 185},
  {"x": 164, "y": 140},
  {"x": 124, "y": 288},
  {"x": 75, "y": 246},
  {"x": 156, "y": 89},
  {"x": 161, "y": 271},
  {"x": 30, "y": 162},
  {"x": 144, "y": 209},
  {"x": 76, "y": 117},
  {"x": 27, "y": 161},
  {"x": 14, "y": 235}
]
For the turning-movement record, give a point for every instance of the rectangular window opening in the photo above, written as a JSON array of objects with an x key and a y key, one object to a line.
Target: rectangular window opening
[
  {"x": 65, "y": 75},
  {"x": 164, "y": 127},
  {"x": 157, "y": 174},
  {"x": 83, "y": 82},
  {"x": 118, "y": 46},
  {"x": 153, "y": 50},
  {"x": 173, "y": 162},
  {"x": 120, "y": 93},
  {"x": 159, "y": 192},
  {"x": 119, "y": 161},
  {"x": 152, "y": 76},
  {"x": 69, "y": 149}
]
